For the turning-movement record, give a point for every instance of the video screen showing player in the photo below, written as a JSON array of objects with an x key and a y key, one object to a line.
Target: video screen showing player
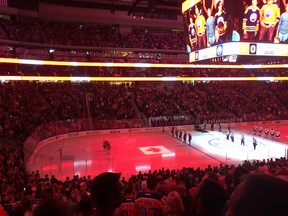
[
  {"x": 211, "y": 22},
  {"x": 206, "y": 24}
]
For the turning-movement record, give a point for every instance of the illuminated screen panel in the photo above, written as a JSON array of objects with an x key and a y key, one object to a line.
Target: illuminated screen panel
[
  {"x": 240, "y": 27},
  {"x": 231, "y": 49}
]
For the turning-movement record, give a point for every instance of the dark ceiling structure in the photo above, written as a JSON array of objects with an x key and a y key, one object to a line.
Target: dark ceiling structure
[{"x": 151, "y": 6}]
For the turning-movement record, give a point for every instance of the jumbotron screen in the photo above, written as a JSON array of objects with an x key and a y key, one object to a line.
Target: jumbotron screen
[{"x": 219, "y": 28}]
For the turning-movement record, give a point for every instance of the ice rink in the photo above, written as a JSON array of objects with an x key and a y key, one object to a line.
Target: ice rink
[{"x": 131, "y": 153}]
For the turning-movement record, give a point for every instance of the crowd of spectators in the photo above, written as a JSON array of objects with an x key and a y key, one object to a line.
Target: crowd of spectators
[
  {"x": 40, "y": 110},
  {"x": 26, "y": 106},
  {"x": 200, "y": 190},
  {"x": 112, "y": 102},
  {"x": 86, "y": 34},
  {"x": 155, "y": 103}
]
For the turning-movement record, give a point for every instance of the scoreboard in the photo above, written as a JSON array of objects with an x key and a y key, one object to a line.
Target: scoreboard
[
  {"x": 219, "y": 28},
  {"x": 239, "y": 48}
]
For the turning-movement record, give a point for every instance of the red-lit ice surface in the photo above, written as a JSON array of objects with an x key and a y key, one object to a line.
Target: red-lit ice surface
[{"x": 134, "y": 152}]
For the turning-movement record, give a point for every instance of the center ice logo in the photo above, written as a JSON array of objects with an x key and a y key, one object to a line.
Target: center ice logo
[
  {"x": 150, "y": 150},
  {"x": 156, "y": 150}
]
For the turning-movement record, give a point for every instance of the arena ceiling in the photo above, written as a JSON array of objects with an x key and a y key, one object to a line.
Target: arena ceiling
[{"x": 154, "y": 6}]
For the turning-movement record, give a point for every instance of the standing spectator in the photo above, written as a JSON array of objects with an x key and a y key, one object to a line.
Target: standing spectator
[
  {"x": 269, "y": 17},
  {"x": 251, "y": 21},
  {"x": 174, "y": 205},
  {"x": 221, "y": 21},
  {"x": 259, "y": 195},
  {"x": 8, "y": 203},
  {"x": 210, "y": 198},
  {"x": 150, "y": 202},
  {"x": 238, "y": 173},
  {"x": 85, "y": 205},
  {"x": 127, "y": 206},
  {"x": 192, "y": 34},
  {"x": 200, "y": 26},
  {"x": 235, "y": 33},
  {"x": 210, "y": 28},
  {"x": 51, "y": 206},
  {"x": 185, "y": 196},
  {"x": 27, "y": 206},
  {"x": 106, "y": 193},
  {"x": 282, "y": 29}
]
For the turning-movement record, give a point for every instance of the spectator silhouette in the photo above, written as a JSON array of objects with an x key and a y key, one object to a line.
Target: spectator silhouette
[
  {"x": 106, "y": 193},
  {"x": 151, "y": 199},
  {"x": 174, "y": 205},
  {"x": 259, "y": 195},
  {"x": 51, "y": 206},
  {"x": 238, "y": 173},
  {"x": 210, "y": 198}
]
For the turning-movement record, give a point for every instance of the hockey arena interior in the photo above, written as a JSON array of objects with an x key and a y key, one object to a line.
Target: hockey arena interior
[{"x": 143, "y": 107}]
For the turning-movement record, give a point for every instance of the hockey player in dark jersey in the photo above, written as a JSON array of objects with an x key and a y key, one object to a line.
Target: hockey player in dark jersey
[
  {"x": 184, "y": 137},
  {"x": 212, "y": 126},
  {"x": 180, "y": 135},
  {"x": 277, "y": 134},
  {"x": 251, "y": 21},
  {"x": 189, "y": 138},
  {"x": 272, "y": 133},
  {"x": 259, "y": 131},
  {"x": 220, "y": 127},
  {"x": 266, "y": 132},
  {"x": 172, "y": 131},
  {"x": 106, "y": 145},
  {"x": 176, "y": 133},
  {"x": 255, "y": 129},
  {"x": 192, "y": 34},
  {"x": 221, "y": 21},
  {"x": 150, "y": 203}
]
